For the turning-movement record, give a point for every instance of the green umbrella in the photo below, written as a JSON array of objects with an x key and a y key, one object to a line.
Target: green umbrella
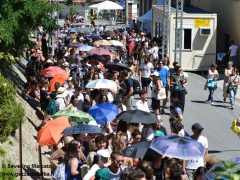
[{"x": 75, "y": 116}]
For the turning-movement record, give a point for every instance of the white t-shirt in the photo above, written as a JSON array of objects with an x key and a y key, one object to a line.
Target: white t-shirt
[
  {"x": 233, "y": 50},
  {"x": 80, "y": 101},
  {"x": 142, "y": 106},
  {"x": 146, "y": 69},
  {"x": 195, "y": 163}
]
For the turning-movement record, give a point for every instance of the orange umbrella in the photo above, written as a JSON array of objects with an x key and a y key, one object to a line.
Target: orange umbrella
[
  {"x": 51, "y": 132},
  {"x": 61, "y": 78}
]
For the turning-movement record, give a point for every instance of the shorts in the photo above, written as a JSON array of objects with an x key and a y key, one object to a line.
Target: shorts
[
  {"x": 155, "y": 104},
  {"x": 145, "y": 82}
]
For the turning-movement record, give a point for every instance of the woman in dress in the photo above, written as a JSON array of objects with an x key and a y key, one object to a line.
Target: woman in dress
[{"x": 227, "y": 74}]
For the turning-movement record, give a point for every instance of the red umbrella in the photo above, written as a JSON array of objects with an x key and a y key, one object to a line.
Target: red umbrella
[
  {"x": 99, "y": 51},
  {"x": 61, "y": 78},
  {"x": 52, "y": 71},
  {"x": 51, "y": 132}
]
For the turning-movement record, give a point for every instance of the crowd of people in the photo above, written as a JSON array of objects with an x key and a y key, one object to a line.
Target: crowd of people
[{"x": 93, "y": 156}]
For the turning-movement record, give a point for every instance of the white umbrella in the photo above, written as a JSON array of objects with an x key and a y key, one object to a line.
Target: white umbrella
[
  {"x": 85, "y": 48},
  {"x": 101, "y": 84},
  {"x": 106, "y": 5},
  {"x": 116, "y": 43}
]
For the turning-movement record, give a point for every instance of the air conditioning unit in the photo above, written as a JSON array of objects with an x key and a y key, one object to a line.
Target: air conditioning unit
[{"x": 205, "y": 31}]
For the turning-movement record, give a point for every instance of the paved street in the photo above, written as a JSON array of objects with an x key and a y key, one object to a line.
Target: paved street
[{"x": 216, "y": 119}]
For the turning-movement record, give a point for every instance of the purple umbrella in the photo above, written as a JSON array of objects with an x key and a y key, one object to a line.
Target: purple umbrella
[{"x": 174, "y": 146}]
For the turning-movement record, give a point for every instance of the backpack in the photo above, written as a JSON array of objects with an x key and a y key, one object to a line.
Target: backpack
[
  {"x": 136, "y": 86},
  {"x": 52, "y": 107},
  {"x": 59, "y": 173}
]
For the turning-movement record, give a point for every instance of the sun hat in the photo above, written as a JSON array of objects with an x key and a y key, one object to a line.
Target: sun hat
[
  {"x": 104, "y": 153},
  {"x": 155, "y": 73},
  {"x": 61, "y": 92}
]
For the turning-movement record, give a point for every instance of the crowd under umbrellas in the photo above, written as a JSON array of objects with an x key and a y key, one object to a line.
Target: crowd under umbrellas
[{"x": 83, "y": 107}]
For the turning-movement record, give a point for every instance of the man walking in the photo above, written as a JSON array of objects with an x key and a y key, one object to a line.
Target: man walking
[{"x": 192, "y": 165}]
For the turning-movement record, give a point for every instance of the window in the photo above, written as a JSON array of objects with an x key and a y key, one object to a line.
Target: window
[{"x": 187, "y": 38}]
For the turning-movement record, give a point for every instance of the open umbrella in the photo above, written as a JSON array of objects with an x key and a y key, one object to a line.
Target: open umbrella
[
  {"x": 116, "y": 43},
  {"x": 85, "y": 30},
  {"x": 137, "y": 116},
  {"x": 102, "y": 42},
  {"x": 94, "y": 36},
  {"x": 52, "y": 71},
  {"x": 101, "y": 84},
  {"x": 83, "y": 129},
  {"x": 75, "y": 45},
  {"x": 117, "y": 66},
  {"x": 51, "y": 132},
  {"x": 85, "y": 48},
  {"x": 174, "y": 146},
  {"x": 104, "y": 112},
  {"x": 137, "y": 150},
  {"x": 75, "y": 116},
  {"x": 61, "y": 78},
  {"x": 100, "y": 51}
]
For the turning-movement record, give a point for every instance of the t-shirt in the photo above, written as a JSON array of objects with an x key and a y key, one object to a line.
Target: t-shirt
[
  {"x": 80, "y": 101},
  {"x": 195, "y": 163},
  {"x": 116, "y": 176},
  {"x": 140, "y": 105},
  {"x": 233, "y": 50},
  {"x": 146, "y": 69},
  {"x": 92, "y": 171},
  {"x": 164, "y": 74}
]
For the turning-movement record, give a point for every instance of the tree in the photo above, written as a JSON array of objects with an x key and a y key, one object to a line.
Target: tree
[{"x": 17, "y": 20}]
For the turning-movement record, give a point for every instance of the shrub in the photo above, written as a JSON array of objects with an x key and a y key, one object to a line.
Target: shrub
[{"x": 11, "y": 112}]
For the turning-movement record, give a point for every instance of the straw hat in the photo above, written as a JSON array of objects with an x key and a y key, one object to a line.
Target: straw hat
[{"x": 61, "y": 92}]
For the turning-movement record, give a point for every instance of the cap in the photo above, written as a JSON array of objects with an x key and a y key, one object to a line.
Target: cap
[
  {"x": 103, "y": 174},
  {"x": 158, "y": 133},
  {"x": 197, "y": 127},
  {"x": 155, "y": 74},
  {"x": 104, "y": 153}
]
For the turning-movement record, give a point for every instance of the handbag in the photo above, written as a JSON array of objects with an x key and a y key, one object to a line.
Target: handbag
[
  {"x": 162, "y": 93},
  {"x": 210, "y": 83}
]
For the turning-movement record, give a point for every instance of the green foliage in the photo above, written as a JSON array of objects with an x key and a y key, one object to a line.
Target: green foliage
[
  {"x": 73, "y": 11},
  {"x": 227, "y": 171},
  {"x": 6, "y": 173},
  {"x": 17, "y": 20},
  {"x": 11, "y": 112}
]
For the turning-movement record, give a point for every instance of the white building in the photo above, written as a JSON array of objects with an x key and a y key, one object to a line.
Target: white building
[{"x": 198, "y": 36}]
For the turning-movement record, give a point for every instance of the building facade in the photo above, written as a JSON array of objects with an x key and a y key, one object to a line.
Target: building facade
[{"x": 228, "y": 20}]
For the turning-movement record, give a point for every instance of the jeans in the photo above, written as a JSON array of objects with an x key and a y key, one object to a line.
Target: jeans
[
  {"x": 233, "y": 93},
  {"x": 210, "y": 96}
]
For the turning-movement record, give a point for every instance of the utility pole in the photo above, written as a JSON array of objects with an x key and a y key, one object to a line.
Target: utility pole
[{"x": 126, "y": 11}]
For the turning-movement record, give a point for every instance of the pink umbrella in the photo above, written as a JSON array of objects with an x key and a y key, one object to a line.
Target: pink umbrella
[
  {"x": 99, "y": 51},
  {"x": 52, "y": 71}
]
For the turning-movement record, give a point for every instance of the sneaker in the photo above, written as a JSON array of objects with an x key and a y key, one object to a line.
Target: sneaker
[
  {"x": 224, "y": 99},
  {"x": 212, "y": 103},
  {"x": 232, "y": 107}
]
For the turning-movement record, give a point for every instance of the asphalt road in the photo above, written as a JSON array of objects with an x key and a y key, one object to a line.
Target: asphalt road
[{"x": 216, "y": 119}]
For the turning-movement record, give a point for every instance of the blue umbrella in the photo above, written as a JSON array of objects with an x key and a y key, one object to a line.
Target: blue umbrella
[
  {"x": 174, "y": 146},
  {"x": 104, "y": 112},
  {"x": 137, "y": 150},
  {"x": 83, "y": 129},
  {"x": 94, "y": 36}
]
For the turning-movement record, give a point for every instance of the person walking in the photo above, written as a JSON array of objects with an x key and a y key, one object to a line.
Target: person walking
[
  {"x": 233, "y": 83},
  {"x": 177, "y": 89},
  {"x": 211, "y": 82},
  {"x": 233, "y": 52},
  {"x": 157, "y": 85},
  {"x": 227, "y": 73},
  {"x": 194, "y": 164},
  {"x": 145, "y": 69}
]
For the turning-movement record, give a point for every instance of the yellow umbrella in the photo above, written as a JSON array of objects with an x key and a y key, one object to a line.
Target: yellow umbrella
[{"x": 102, "y": 43}]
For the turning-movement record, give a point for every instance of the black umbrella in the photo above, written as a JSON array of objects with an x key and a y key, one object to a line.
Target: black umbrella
[
  {"x": 117, "y": 66},
  {"x": 75, "y": 45},
  {"x": 83, "y": 129},
  {"x": 137, "y": 116},
  {"x": 137, "y": 150}
]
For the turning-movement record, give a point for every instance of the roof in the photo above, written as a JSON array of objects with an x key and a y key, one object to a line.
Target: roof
[{"x": 187, "y": 9}]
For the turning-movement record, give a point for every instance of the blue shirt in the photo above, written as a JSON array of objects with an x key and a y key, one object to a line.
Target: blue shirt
[{"x": 164, "y": 74}]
